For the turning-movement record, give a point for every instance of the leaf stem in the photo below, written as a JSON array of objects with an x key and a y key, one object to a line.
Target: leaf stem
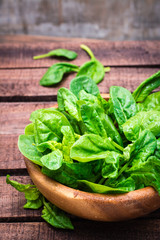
[
  {"x": 88, "y": 50},
  {"x": 41, "y": 56},
  {"x": 117, "y": 146},
  {"x": 102, "y": 180}
]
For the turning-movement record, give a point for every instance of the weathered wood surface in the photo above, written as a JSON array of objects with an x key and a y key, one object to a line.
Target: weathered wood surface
[
  {"x": 25, "y": 82},
  {"x": 86, "y": 230},
  {"x": 19, "y": 55}
]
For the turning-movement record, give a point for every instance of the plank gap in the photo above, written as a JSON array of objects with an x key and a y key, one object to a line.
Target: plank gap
[{"x": 14, "y": 172}]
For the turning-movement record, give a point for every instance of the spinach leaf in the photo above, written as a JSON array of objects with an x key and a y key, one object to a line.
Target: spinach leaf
[
  {"x": 98, "y": 188},
  {"x": 30, "y": 191},
  {"x": 48, "y": 126},
  {"x": 146, "y": 87},
  {"x": 124, "y": 105},
  {"x": 74, "y": 123},
  {"x": 91, "y": 147},
  {"x": 147, "y": 173},
  {"x": 52, "y": 145},
  {"x": 55, "y": 216},
  {"x": 110, "y": 165},
  {"x": 152, "y": 102},
  {"x": 92, "y": 121},
  {"x": 26, "y": 145},
  {"x": 149, "y": 120},
  {"x": 59, "y": 53},
  {"x": 53, "y": 160},
  {"x": 69, "y": 173},
  {"x": 67, "y": 142},
  {"x": 157, "y": 152},
  {"x": 93, "y": 69},
  {"x": 56, "y": 72},
  {"x": 29, "y": 129},
  {"x": 141, "y": 149},
  {"x": 68, "y": 101},
  {"x": 83, "y": 83}
]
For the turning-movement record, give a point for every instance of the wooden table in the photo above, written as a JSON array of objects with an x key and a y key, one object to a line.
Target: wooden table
[{"x": 131, "y": 63}]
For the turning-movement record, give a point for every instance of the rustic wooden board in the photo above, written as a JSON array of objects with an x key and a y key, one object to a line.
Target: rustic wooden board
[
  {"x": 25, "y": 82},
  {"x": 19, "y": 55},
  {"x": 15, "y": 116},
  {"x": 86, "y": 230}
]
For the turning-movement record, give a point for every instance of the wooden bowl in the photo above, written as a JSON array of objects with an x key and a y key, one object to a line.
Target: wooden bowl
[{"x": 93, "y": 206}]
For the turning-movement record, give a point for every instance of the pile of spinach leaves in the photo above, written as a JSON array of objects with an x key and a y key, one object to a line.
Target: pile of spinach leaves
[{"x": 94, "y": 145}]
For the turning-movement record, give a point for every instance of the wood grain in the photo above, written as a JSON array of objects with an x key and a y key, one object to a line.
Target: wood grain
[
  {"x": 25, "y": 82},
  {"x": 15, "y": 116},
  {"x": 19, "y": 55},
  {"x": 86, "y": 230}
]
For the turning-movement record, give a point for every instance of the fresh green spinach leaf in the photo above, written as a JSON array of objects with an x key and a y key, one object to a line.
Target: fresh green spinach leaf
[{"x": 71, "y": 55}]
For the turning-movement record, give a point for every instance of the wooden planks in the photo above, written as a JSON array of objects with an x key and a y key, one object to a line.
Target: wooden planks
[
  {"x": 19, "y": 55},
  {"x": 25, "y": 82},
  {"x": 86, "y": 230}
]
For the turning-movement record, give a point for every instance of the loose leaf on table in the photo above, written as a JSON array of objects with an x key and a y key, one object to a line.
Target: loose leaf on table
[
  {"x": 149, "y": 120},
  {"x": 91, "y": 147},
  {"x": 55, "y": 216},
  {"x": 152, "y": 102},
  {"x": 124, "y": 105},
  {"x": 56, "y": 72},
  {"x": 59, "y": 53},
  {"x": 146, "y": 87},
  {"x": 53, "y": 160},
  {"x": 83, "y": 83},
  {"x": 93, "y": 69},
  {"x": 67, "y": 142},
  {"x": 67, "y": 101},
  {"x": 30, "y": 191},
  {"x": 27, "y": 147},
  {"x": 48, "y": 126}
]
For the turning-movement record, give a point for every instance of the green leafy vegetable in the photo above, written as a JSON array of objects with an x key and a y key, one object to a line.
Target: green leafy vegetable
[
  {"x": 59, "y": 53},
  {"x": 83, "y": 83},
  {"x": 55, "y": 216},
  {"x": 52, "y": 160},
  {"x": 146, "y": 87},
  {"x": 56, "y": 72},
  {"x": 93, "y": 69},
  {"x": 152, "y": 102}
]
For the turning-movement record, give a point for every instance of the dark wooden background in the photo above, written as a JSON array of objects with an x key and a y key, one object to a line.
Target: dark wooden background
[
  {"x": 20, "y": 94},
  {"x": 100, "y": 19}
]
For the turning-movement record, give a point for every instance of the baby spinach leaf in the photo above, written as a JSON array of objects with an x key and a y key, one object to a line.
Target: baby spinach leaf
[
  {"x": 152, "y": 102},
  {"x": 74, "y": 123},
  {"x": 53, "y": 160},
  {"x": 142, "y": 148},
  {"x": 149, "y": 120},
  {"x": 92, "y": 121},
  {"x": 67, "y": 142},
  {"x": 83, "y": 83},
  {"x": 52, "y": 145},
  {"x": 98, "y": 188},
  {"x": 34, "y": 204},
  {"x": 124, "y": 105},
  {"x": 30, "y": 191},
  {"x": 91, "y": 147},
  {"x": 29, "y": 129},
  {"x": 48, "y": 126},
  {"x": 68, "y": 101},
  {"x": 59, "y": 53},
  {"x": 93, "y": 69},
  {"x": 146, "y": 87},
  {"x": 110, "y": 165},
  {"x": 147, "y": 173},
  {"x": 56, "y": 72},
  {"x": 55, "y": 216},
  {"x": 157, "y": 152},
  {"x": 26, "y": 145}
]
